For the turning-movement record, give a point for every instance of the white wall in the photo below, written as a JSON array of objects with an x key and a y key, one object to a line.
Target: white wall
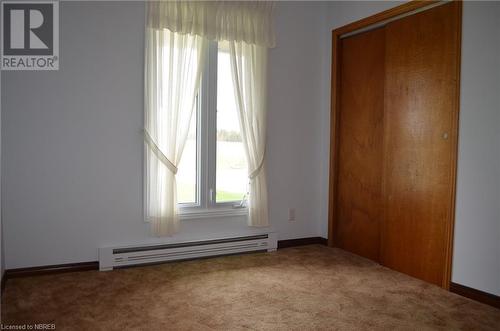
[
  {"x": 476, "y": 261},
  {"x": 72, "y": 144},
  {"x": 295, "y": 115}
]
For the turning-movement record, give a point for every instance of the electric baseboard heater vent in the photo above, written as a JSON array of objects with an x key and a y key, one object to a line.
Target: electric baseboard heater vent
[{"x": 114, "y": 257}]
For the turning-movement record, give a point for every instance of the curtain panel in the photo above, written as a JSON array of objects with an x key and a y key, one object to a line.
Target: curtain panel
[
  {"x": 249, "y": 72},
  {"x": 173, "y": 67}
]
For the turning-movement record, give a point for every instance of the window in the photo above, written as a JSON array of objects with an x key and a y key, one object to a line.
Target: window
[
  {"x": 212, "y": 178},
  {"x": 213, "y": 171}
]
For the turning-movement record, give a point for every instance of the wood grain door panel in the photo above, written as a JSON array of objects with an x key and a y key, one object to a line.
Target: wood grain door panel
[
  {"x": 359, "y": 194},
  {"x": 420, "y": 141}
]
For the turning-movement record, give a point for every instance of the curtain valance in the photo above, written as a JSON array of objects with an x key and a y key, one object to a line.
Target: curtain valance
[{"x": 247, "y": 21}]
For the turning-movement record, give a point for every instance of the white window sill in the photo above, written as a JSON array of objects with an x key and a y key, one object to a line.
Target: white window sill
[{"x": 191, "y": 214}]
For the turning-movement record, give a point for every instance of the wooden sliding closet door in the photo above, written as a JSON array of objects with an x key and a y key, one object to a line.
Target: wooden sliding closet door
[
  {"x": 422, "y": 61},
  {"x": 395, "y": 92},
  {"x": 358, "y": 206}
]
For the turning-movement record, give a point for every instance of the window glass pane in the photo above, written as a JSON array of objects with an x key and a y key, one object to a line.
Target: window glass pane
[
  {"x": 186, "y": 174},
  {"x": 232, "y": 173}
]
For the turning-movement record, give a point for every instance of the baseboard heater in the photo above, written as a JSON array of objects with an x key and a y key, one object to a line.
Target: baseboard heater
[{"x": 114, "y": 257}]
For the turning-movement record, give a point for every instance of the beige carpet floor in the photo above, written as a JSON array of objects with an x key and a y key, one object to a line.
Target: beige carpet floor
[{"x": 304, "y": 288}]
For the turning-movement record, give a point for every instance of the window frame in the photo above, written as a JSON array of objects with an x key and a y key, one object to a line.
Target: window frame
[{"x": 206, "y": 149}]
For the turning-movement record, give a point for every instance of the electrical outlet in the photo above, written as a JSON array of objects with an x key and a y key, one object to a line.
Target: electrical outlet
[{"x": 291, "y": 214}]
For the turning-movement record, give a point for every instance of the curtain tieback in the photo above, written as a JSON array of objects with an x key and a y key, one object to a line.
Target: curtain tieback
[
  {"x": 159, "y": 154},
  {"x": 254, "y": 173}
]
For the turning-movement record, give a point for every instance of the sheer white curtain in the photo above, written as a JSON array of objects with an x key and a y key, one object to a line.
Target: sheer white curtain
[
  {"x": 177, "y": 33},
  {"x": 249, "y": 71},
  {"x": 173, "y": 67}
]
